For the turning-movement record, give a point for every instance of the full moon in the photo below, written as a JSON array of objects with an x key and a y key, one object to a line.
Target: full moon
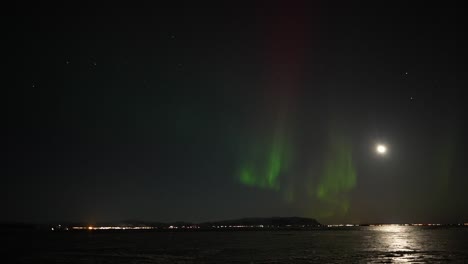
[{"x": 381, "y": 149}]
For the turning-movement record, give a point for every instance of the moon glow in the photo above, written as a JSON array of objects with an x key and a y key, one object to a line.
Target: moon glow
[{"x": 381, "y": 149}]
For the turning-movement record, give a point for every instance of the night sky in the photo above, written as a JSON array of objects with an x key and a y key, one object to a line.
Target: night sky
[{"x": 201, "y": 112}]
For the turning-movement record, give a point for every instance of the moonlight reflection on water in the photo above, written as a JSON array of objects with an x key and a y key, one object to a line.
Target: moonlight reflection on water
[
  {"x": 397, "y": 238},
  {"x": 404, "y": 244}
]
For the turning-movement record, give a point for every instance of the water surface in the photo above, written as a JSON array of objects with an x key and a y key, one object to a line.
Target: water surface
[{"x": 382, "y": 244}]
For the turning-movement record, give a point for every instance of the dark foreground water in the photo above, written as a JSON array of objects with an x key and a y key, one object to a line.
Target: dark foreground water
[{"x": 384, "y": 244}]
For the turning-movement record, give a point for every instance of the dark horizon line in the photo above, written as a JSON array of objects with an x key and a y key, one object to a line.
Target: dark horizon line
[
  {"x": 153, "y": 221},
  {"x": 181, "y": 222}
]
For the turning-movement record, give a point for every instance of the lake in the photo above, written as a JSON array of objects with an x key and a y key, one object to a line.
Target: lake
[{"x": 379, "y": 244}]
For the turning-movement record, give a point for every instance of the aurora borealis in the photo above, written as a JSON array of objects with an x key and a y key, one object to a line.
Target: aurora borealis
[
  {"x": 269, "y": 165},
  {"x": 339, "y": 177},
  {"x": 269, "y": 162},
  {"x": 197, "y": 112},
  {"x": 266, "y": 168}
]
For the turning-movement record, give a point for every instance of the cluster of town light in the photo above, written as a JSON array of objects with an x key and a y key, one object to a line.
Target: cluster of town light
[
  {"x": 59, "y": 227},
  {"x": 169, "y": 227},
  {"x": 351, "y": 225}
]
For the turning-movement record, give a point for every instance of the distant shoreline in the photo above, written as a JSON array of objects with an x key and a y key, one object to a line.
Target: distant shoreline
[
  {"x": 242, "y": 224},
  {"x": 107, "y": 229}
]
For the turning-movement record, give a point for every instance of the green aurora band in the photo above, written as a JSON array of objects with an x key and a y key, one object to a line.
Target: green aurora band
[
  {"x": 267, "y": 163},
  {"x": 338, "y": 178},
  {"x": 268, "y": 167}
]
